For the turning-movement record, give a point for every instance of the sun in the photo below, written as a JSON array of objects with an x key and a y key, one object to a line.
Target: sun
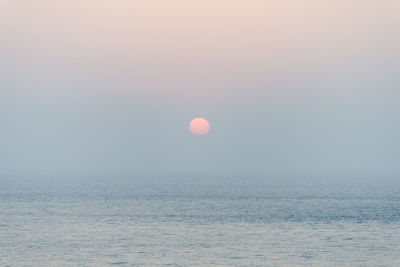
[{"x": 199, "y": 126}]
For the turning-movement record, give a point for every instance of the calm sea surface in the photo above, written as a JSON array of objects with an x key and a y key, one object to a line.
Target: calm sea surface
[{"x": 195, "y": 221}]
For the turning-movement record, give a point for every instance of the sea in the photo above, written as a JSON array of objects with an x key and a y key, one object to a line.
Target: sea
[{"x": 199, "y": 221}]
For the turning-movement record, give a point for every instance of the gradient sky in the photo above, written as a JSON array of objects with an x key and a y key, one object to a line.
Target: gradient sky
[{"x": 289, "y": 87}]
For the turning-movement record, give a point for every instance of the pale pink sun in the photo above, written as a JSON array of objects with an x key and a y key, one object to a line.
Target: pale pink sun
[{"x": 199, "y": 126}]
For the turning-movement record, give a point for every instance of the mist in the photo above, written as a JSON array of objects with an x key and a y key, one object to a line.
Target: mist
[{"x": 289, "y": 88}]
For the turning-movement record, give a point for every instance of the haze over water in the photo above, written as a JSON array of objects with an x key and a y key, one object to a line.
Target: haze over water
[
  {"x": 289, "y": 87},
  {"x": 300, "y": 166}
]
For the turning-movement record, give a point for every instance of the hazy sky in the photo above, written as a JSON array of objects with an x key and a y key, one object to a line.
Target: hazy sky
[{"x": 289, "y": 87}]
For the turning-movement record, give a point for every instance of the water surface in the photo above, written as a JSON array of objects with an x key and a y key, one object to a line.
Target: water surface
[{"x": 198, "y": 221}]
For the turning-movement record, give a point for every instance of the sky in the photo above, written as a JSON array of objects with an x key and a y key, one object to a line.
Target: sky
[{"x": 305, "y": 87}]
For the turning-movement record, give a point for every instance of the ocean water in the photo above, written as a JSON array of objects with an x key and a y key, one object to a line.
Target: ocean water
[{"x": 157, "y": 221}]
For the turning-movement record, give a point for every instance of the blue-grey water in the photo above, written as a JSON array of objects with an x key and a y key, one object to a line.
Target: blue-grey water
[{"x": 47, "y": 221}]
